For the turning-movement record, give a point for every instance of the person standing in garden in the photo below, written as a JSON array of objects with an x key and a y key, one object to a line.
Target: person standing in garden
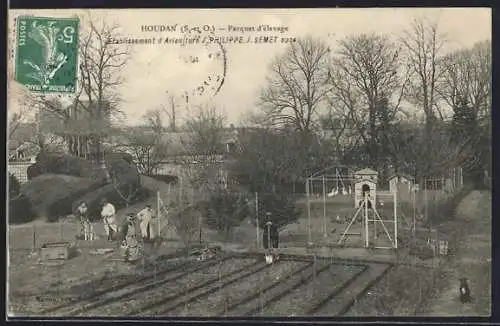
[
  {"x": 108, "y": 215},
  {"x": 83, "y": 221},
  {"x": 145, "y": 217},
  {"x": 270, "y": 239},
  {"x": 128, "y": 237}
]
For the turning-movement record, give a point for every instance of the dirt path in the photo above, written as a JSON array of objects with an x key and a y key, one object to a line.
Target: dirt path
[{"x": 473, "y": 260}]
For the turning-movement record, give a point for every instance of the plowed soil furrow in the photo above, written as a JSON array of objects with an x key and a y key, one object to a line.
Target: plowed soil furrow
[
  {"x": 147, "y": 303},
  {"x": 269, "y": 295},
  {"x": 137, "y": 289},
  {"x": 300, "y": 300},
  {"x": 342, "y": 302},
  {"x": 88, "y": 293},
  {"x": 218, "y": 302},
  {"x": 184, "y": 302}
]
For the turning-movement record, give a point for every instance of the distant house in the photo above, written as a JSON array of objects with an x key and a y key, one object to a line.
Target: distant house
[
  {"x": 396, "y": 179},
  {"x": 182, "y": 157}
]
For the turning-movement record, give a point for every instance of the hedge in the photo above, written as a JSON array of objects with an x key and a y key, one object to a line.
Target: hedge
[
  {"x": 56, "y": 163},
  {"x": 20, "y": 210},
  {"x": 14, "y": 186},
  {"x": 50, "y": 195},
  {"x": 166, "y": 178},
  {"x": 50, "y": 163}
]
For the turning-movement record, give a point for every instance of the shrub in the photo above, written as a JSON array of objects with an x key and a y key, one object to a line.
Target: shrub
[
  {"x": 224, "y": 210},
  {"x": 14, "y": 186},
  {"x": 50, "y": 194},
  {"x": 166, "y": 178},
  {"x": 115, "y": 156},
  {"x": 20, "y": 210},
  {"x": 186, "y": 221},
  {"x": 34, "y": 171},
  {"x": 54, "y": 163},
  {"x": 282, "y": 208}
]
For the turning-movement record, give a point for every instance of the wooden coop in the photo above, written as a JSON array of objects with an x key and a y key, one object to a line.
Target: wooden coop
[
  {"x": 397, "y": 179},
  {"x": 371, "y": 218},
  {"x": 365, "y": 182}
]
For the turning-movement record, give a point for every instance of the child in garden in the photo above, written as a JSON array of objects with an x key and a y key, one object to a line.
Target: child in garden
[{"x": 128, "y": 236}]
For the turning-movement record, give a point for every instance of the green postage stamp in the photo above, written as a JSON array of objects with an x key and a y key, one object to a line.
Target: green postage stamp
[{"x": 47, "y": 53}]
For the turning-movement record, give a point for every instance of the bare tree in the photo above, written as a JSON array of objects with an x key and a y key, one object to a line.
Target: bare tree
[
  {"x": 96, "y": 99},
  {"x": 423, "y": 44},
  {"x": 101, "y": 64},
  {"x": 204, "y": 145},
  {"x": 126, "y": 192},
  {"x": 467, "y": 76},
  {"x": 297, "y": 84},
  {"x": 367, "y": 90},
  {"x": 15, "y": 120},
  {"x": 147, "y": 144},
  {"x": 171, "y": 111}
]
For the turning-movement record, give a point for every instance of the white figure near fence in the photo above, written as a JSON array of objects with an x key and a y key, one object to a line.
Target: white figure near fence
[
  {"x": 145, "y": 218},
  {"x": 108, "y": 215}
]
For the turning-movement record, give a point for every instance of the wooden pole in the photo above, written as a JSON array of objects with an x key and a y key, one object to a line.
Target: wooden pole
[
  {"x": 158, "y": 213},
  {"x": 34, "y": 239},
  {"x": 257, "y": 218},
  {"x": 324, "y": 208},
  {"x": 367, "y": 242},
  {"x": 395, "y": 221},
  {"x": 308, "y": 193},
  {"x": 268, "y": 237},
  {"x": 425, "y": 198},
  {"x": 414, "y": 202}
]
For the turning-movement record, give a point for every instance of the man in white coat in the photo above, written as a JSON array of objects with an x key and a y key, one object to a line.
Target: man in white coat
[
  {"x": 145, "y": 217},
  {"x": 108, "y": 215}
]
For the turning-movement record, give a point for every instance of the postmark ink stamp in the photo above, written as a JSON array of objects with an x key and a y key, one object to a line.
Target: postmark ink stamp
[{"x": 47, "y": 53}]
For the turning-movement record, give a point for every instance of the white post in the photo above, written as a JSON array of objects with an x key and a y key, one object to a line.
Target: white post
[
  {"x": 324, "y": 208},
  {"x": 367, "y": 242},
  {"x": 395, "y": 221},
  {"x": 257, "y": 217}
]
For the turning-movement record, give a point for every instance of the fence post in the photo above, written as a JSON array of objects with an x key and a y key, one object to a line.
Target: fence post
[
  {"x": 257, "y": 217},
  {"x": 395, "y": 220},
  {"x": 158, "y": 215},
  {"x": 34, "y": 239},
  {"x": 324, "y": 208}
]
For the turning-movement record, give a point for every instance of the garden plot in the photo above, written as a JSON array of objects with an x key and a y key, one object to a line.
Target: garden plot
[
  {"x": 152, "y": 302},
  {"x": 225, "y": 298},
  {"x": 329, "y": 279}
]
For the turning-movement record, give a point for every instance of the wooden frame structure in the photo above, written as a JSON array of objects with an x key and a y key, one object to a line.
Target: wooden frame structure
[
  {"x": 324, "y": 178},
  {"x": 369, "y": 205}
]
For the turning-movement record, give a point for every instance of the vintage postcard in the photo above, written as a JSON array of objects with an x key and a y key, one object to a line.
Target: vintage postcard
[{"x": 257, "y": 162}]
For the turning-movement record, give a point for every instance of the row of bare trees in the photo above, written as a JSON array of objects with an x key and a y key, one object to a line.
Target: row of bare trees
[{"x": 385, "y": 102}]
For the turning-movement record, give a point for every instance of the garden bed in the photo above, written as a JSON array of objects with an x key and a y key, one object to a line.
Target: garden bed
[
  {"x": 299, "y": 301},
  {"x": 148, "y": 303},
  {"x": 220, "y": 301}
]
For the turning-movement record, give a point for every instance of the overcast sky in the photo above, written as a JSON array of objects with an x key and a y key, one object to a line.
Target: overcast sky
[{"x": 155, "y": 69}]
